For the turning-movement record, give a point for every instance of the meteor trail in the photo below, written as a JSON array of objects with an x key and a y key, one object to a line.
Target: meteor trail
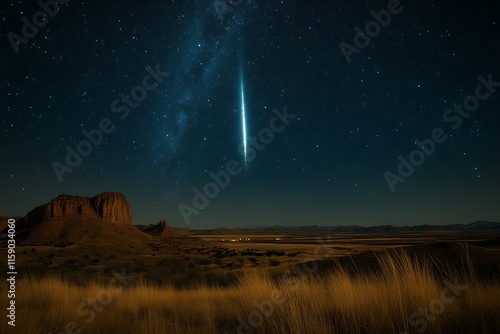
[{"x": 243, "y": 119}]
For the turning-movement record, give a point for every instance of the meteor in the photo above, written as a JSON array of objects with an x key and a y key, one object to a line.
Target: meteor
[{"x": 243, "y": 119}]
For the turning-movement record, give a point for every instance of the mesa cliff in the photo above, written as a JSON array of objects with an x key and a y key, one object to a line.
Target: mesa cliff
[
  {"x": 102, "y": 219},
  {"x": 111, "y": 207}
]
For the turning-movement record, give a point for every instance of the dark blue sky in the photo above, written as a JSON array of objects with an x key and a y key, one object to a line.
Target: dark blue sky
[{"x": 325, "y": 167}]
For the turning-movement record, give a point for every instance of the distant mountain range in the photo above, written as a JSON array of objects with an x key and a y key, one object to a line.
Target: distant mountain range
[{"x": 475, "y": 226}]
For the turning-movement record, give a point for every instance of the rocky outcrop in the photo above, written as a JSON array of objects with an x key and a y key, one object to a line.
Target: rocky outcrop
[
  {"x": 161, "y": 229},
  {"x": 111, "y": 207},
  {"x": 163, "y": 223},
  {"x": 103, "y": 221}
]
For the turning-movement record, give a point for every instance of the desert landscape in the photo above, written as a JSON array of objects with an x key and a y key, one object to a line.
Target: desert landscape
[
  {"x": 82, "y": 267},
  {"x": 250, "y": 167}
]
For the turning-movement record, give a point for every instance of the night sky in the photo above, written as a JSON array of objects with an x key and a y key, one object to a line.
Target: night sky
[{"x": 226, "y": 71}]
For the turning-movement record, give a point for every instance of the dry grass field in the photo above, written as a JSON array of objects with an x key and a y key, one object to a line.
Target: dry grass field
[{"x": 407, "y": 295}]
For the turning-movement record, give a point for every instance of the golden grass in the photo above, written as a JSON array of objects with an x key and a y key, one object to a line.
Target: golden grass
[{"x": 381, "y": 302}]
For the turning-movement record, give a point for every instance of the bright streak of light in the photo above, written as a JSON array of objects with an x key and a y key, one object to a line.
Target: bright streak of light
[{"x": 243, "y": 120}]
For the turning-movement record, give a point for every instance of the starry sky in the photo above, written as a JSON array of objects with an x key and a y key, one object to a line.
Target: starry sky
[{"x": 327, "y": 166}]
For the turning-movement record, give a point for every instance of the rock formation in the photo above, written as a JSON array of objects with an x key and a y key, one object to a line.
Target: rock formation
[
  {"x": 161, "y": 229},
  {"x": 104, "y": 219},
  {"x": 111, "y": 207}
]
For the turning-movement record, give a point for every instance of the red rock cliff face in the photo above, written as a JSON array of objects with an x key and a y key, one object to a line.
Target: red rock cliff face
[{"x": 111, "y": 207}]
